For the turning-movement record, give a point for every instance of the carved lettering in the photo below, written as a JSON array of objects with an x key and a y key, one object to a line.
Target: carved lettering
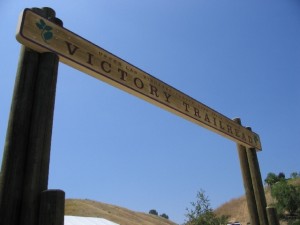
[
  {"x": 250, "y": 139},
  {"x": 243, "y": 137},
  {"x": 153, "y": 90},
  {"x": 167, "y": 96},
  {"x": 221, "y": 125},
  {"x": 215, "y": 121},
  {"x": 237, "y": 133},
  {"x": 106, "y": 66},
  {"x": 229, "y": 129},
  {"x": 89, "y": 61},
  {"x": 186, "y": 106},
  {"x": 207, "y": 118},
  {"x": 123, "y": 74},
  {"x": 71, "y": 48},
  {"x": 138, "y": 83},
  {"x": 196, "y": 112}
]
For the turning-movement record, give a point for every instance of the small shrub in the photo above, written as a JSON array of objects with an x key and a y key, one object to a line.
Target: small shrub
[
  {"x": 153, "y": 212},
  {"x": 165, "y": 216}
]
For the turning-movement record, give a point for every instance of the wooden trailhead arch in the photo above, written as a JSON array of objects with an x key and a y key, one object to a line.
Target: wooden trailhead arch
[
  {"x": 43, "y": 36},
  {"x": 24, "y": 195}
]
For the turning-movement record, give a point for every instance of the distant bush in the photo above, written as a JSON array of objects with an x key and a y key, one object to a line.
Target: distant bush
[
  {"x": 153, "y": 212},
  {"x": 295, "y": 175},
  {"x": 272, "y": 178},
  {"x": 165, "y": 216}
]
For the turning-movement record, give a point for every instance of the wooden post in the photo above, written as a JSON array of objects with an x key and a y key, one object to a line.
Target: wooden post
[
  {"x": 15, "y": 149},
  {"x": 39, "y": 144},
  {"x": 25, "y": 166},
  {"x": 38, "y": 153},
  {"x": 249, "y": 192},
  {"x": 257, "y": 185},
  {"x": 272, "y": 216},
  {"x": 52, "y": 207}
]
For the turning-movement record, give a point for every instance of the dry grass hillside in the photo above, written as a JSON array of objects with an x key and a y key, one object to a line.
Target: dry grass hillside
[
  {"x": 122, "y": 216},
  {"x": 237, "y": 208}
]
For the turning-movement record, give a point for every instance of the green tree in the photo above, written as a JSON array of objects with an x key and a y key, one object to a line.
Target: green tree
[
  {"x": 287, "y": 197},
  {"x": 153, "y": 212},
  {"x": 281, "y": 176},
  {"x": 271, "y": 179},
  {"x": 295, "y": 175},
  {"x": 165, "y": 216},
  {"x": 202, "y": 213}
]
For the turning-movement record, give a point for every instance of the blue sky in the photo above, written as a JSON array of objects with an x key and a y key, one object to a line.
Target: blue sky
[{"x": 240, "y": 58}]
